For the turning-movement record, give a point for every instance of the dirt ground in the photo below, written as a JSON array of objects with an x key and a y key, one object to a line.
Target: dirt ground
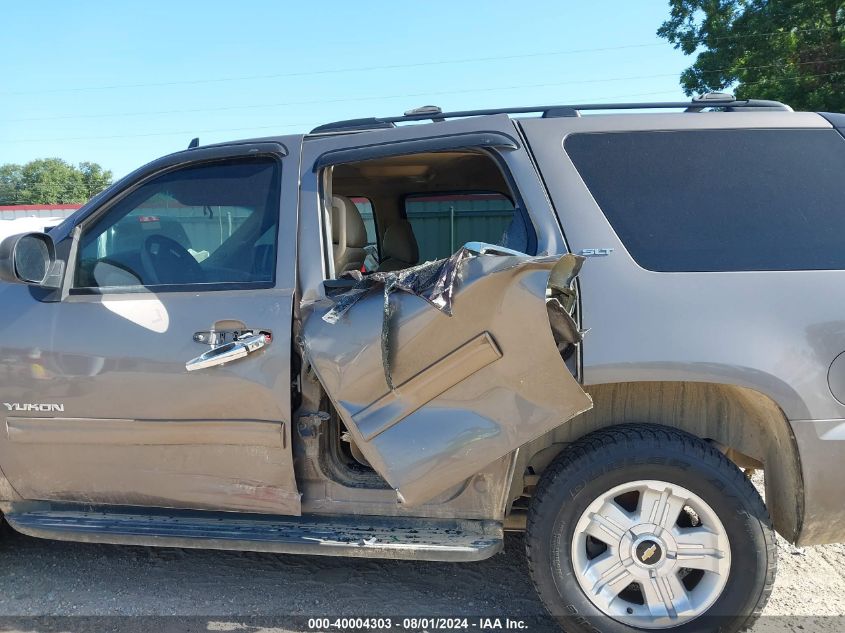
[{"x": 234, "y": 591}]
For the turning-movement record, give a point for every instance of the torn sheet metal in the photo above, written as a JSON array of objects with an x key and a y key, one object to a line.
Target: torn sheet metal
[
  {"x": 468, "y": 388},
  {"x": 561, "y": 298},
  {"x": 433, "y": 281}
]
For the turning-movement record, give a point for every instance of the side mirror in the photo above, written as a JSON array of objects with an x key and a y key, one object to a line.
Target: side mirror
[{"x": 27, "y": 258}]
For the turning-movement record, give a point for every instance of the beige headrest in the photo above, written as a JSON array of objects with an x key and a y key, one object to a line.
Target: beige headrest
[
  {"x": 344, "y": 212},
  {"x": 399, "y": 243}
]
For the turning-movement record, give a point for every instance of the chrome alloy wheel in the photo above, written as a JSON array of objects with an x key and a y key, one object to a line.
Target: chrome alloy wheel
[{"x": 651, "y": 554}]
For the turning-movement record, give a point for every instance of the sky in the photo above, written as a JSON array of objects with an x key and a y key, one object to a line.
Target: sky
[{"x": 121, "y": 83}]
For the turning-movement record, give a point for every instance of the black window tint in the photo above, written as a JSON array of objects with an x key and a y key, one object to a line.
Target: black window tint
[
  {"x": 718, "y": 200},
  {"x": 442, "y": 223},
  {"x": 214, "y": 223}
]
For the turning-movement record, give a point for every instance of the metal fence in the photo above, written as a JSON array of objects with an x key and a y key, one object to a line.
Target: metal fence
[{"x": 442, "y": 224}]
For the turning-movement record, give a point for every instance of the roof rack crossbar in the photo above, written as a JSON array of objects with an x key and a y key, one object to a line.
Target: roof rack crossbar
[{"x": 695, "y": 105}]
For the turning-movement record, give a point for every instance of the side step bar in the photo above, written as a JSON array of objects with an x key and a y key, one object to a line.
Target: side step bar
[{"x": 362, "y": 536}]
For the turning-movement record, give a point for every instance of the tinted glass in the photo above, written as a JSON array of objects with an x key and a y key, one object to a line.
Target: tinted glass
[
  {"x": 443, "y": 223},
  {"x": 718, "y": 200},
  {"x": 207, "y": 224},
  {"x": 365, "y": 208}
]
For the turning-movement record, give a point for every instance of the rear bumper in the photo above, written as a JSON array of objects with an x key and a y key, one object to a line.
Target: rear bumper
[{"x": 821, "y": 447}]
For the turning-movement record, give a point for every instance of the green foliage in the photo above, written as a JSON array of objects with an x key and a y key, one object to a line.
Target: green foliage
[
  {"x": 788, "y": 50},
  {"x": 51, "y": 181}
]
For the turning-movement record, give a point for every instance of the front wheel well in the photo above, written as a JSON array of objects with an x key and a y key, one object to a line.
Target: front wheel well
[{"x": 748, "y": 426}]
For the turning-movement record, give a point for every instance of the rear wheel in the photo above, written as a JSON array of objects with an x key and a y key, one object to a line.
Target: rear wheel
[{"x": 642, "y": 527}]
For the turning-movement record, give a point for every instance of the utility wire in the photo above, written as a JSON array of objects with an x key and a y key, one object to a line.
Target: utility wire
[
  {"x": 396, "y": 96},
  {"x": 268, "y": 127},
  {"x": 239, "y": 129},
  {"x": 329, "y": 71},
  {"x": 347, "y": 99}
]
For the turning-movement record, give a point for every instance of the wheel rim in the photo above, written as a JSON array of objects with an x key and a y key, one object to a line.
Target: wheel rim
[{"x": 651, "y": 554}]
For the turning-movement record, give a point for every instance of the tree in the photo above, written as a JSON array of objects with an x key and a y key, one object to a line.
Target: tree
[
  {"x": 10, "y": 183},
  {"x": 51, "y": 181},
  {"x": 788, "y": 50},
  {"x": 94, "y": 178}
]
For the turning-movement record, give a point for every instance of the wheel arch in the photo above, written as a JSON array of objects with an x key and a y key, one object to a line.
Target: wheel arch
[{"x": 747, "y": 425}]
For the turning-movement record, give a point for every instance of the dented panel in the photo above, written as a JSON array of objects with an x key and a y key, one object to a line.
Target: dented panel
[{"x": 468, "y": 388}]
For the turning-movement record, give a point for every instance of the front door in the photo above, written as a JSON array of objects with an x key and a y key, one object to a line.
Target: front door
[{"x": 194, "y": 258}]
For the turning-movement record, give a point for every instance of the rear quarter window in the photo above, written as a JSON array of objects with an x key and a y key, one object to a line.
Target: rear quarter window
[{"x": 720, "y": 200}]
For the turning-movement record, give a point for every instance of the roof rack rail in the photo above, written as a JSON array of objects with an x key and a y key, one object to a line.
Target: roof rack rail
[{"x": 433, "y": 113}]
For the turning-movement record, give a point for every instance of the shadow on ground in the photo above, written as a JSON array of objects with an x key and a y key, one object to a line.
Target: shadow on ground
[{"x": 244, "y": 591}]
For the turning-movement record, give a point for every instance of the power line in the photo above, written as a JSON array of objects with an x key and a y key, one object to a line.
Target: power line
[
  {"x": 395, "y": 96},
  {"x": 329, "y": 71},
  {"x": 289, "y": 125},
  {"x": 348, "y": 99},
  {"x": 174, "y": 133},
  {"x": 243, "y": 129},
  {"x": 794, "y": 77}
]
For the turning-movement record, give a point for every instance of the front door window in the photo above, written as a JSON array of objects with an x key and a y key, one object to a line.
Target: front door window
[{"x": 208, "y": 224}]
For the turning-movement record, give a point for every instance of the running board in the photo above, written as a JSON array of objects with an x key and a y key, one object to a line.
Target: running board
[{"x": 362, "y": 536}]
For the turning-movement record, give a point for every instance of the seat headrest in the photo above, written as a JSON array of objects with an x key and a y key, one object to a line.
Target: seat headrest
[
  {"x": 399, "y": 243},
  {"x": 356, "y": 232}
]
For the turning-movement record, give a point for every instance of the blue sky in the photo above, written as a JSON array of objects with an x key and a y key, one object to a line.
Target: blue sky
[{"x": 121, "y": 83}]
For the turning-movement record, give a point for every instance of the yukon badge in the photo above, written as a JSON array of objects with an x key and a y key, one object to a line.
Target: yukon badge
[{"x": 40, "y": 408}]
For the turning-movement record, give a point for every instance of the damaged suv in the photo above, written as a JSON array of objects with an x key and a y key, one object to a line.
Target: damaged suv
[{"x": 399, "y": 341}]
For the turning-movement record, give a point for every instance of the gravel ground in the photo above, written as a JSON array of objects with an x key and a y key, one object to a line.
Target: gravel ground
[{"x": 237, "y": 591}]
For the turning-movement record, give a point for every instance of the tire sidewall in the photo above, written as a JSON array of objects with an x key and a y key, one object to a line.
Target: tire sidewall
[{"x": 574, "y": 489}]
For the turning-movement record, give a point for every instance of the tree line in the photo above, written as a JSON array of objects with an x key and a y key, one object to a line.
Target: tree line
[{"x": 51, "y": 181}]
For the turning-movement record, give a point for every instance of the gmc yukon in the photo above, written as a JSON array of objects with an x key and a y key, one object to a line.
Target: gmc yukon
[{"x": 390, "y": 340}]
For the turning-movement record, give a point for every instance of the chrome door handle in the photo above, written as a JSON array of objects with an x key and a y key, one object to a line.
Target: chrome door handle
[{"x": 228, "y": 352}]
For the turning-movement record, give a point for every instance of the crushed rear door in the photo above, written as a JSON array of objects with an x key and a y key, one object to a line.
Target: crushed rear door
[{"x": 440, "y": 370}]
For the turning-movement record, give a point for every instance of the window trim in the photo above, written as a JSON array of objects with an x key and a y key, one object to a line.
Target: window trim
[
  {"x": 326, "y": 160},
  {"x": 423, "y": 145},
  {"x": 166, "y": 288},
  {"x": 274, "y": 153}
]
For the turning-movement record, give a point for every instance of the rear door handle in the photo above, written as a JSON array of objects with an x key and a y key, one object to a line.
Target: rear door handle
[{"x": 228, "y": 352}]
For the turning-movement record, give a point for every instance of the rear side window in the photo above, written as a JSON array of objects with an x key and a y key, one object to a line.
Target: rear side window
[
  {"x": 365, "y": 208},
  {"x": 443, "y": 223},
  {"x": 720, "y": 200}
]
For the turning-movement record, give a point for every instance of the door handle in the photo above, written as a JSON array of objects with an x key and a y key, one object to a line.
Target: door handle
[{"x": 228, "y": 352}]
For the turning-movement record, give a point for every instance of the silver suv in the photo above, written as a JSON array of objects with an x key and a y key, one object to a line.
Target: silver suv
[{"x": 391, "y": 340}]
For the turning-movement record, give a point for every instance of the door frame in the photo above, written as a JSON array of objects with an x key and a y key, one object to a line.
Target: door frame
[
  {"x": 496, "y": 134},
  {"x": 285, "y": 275}
]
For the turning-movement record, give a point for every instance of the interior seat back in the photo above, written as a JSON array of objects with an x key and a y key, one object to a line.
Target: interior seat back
[
  {"x": 349, "y": 235},
  {"x": 399, "y": 247}
]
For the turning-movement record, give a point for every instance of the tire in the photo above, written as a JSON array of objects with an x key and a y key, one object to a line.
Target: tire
[{"x": 619, "y": 582}]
